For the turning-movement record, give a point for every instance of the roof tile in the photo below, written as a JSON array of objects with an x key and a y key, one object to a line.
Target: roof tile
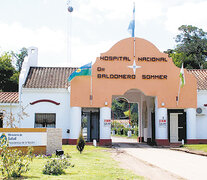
[
  {"x": 201, "y": 76},
  {"x": 9, "y": 97},
  {"x": 57, "y": 77},
  {"x": 48, "y": 77}
]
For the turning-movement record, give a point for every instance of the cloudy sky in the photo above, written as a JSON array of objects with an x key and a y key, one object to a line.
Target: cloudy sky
[{"x": 93, "y": 27}]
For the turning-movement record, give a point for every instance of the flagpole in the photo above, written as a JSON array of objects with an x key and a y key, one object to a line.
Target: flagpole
[
  {"x": 129, "y": 115},
  {"x": 178, "y": 95},
  {"x": 134, "y": 47},
  {"x": 134, "y": 30}
]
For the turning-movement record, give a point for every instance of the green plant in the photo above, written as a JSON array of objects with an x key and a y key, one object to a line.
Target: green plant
[
  {"x": 126, "y": 131},
  {"x": 115, "y": 130},
  {"x": 13, "y": 162},
  {"x": 56, "y": 166},
  {"x": 80, "y": 142},
  {"x": 136, "y": 131},
  {"x": 120, "y": 131},
  {"x": 116, "y": 124}
]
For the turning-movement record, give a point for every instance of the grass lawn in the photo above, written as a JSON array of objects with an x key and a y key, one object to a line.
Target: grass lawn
[
  {"x": 132, "y": 137},
  {"x": 93, "y": 163},
  {"x": 198, "y": 147}
]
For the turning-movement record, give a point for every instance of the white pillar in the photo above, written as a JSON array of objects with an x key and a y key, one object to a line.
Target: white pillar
[
  {"x": 191, "y": 123},
  {"x": 105, "y": 130},
  {"x": 75, "y": 122},
  {"x": 161, "y": 132}
]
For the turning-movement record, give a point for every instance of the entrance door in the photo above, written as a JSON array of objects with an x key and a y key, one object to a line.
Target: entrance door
[
  {"x": 182, "y": 126},
  {"x": 1, "y": 120},
  {"x": 173, "y": 127},
  {"x": 90, "y": 124},
  {"x": 94, "y": 126},
  {"x": 153, "y": 127}
]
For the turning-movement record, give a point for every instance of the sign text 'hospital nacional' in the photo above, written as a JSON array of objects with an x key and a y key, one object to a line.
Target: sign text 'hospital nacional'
[
  {"x": 102, "y": 75},
  {"x": 140, "y": 59}
]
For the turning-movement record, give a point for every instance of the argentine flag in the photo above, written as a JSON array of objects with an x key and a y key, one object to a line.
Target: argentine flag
[{"x": 131, "y": 27}]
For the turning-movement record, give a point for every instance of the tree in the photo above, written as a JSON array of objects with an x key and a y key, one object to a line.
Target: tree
[
  {"x": 120, "y": 110},
  {"x": 191, "y": 48},
  {"x": 8, "y": 74},
  {"x": 134, "y": 119},
  {"x": 117, "y": 109},
  {"x": 80, "y": 142},
  {"x": 134, "y": 114},
  {"x": 20, "y": 58},
  {"x": 11, "y": 120}
]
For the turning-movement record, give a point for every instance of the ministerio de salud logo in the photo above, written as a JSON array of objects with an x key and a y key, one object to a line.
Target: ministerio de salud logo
[{"x": 3, "y": 139}]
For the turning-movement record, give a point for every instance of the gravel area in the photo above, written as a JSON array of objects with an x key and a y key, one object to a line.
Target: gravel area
[{"x": 158, "y": 163}]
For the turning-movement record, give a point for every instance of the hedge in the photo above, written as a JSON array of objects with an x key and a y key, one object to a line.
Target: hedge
[{"x": 124, "y": 131}]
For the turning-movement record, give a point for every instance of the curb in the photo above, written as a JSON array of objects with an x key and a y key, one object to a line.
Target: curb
[{"x": 190, "y": 151}]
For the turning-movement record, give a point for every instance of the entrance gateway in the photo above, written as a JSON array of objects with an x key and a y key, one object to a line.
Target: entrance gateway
[{"x": 150, "y": 79}]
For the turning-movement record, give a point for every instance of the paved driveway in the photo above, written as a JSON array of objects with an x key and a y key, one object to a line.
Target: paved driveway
[{"x": 185, "y": 165}]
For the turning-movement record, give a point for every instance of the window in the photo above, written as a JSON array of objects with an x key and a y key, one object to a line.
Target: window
[
  {"x": 45, "y": 120},
  {"x": 1, "y": 120}
]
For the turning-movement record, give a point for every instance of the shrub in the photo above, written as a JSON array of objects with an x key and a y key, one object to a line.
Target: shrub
[
  {"x": 126, "y": 131},
  {"x": 13, "y": 162},
  {"x": 116, "y": 124},
  {"x": 114, "y": 129},
  {"x": 56, "y": 166},
  {"x": 80, "y": 143},
  {"x": 136, "y": 131},
  {"x": 120, "y": 131}
]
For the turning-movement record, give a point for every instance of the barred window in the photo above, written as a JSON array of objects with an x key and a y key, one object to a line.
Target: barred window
[{"x": 45, "y": 120}]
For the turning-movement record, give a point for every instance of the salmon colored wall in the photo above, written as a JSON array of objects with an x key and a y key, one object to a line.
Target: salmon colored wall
[{"x": 165, "y": 90}]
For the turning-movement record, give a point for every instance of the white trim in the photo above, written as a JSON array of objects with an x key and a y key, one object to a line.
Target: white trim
[
  {"x": 9, "y": 104},
  {"x": 201, "y": 91},
  {"x": 61, "y": 90}
]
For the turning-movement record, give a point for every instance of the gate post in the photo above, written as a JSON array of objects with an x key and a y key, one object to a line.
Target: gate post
[
  {"x": 161, "y": 126},
  {"x": 105, "y": 128},
  {"x": 191, "y": 125},
  {"x": 75, "y": 124}
]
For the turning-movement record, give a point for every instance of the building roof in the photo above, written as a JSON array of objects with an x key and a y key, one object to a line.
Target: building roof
[
  {"x": 201, "y": 76},
  {"x": 48, "y": 77},
  {"x": 9, "y": 97},
  {"x": 57, "y": 77}
]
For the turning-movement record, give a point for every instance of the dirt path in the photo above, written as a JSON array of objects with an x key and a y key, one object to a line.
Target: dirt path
[{"x": 138, "y": 166}]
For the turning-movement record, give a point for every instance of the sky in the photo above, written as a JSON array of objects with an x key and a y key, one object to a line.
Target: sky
[{"x": 94, "y": 26}]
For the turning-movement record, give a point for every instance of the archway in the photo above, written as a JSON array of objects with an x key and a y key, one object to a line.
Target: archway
[
  {"x": 145, "y": 112},
  {"x": 124, "y": 118}
]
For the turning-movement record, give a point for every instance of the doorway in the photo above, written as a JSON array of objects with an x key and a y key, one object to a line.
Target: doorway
[
  {"x": 153, "y": 128},
  {"x": 90, "y": 124},
  {"x": 176, "y": 126}
]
